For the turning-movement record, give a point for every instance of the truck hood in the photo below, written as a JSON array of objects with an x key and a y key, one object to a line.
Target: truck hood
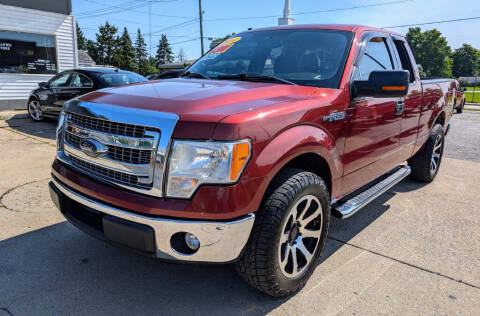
[
  {"x": 200, "y": 100},
  {"x": 201, "y": 104}
]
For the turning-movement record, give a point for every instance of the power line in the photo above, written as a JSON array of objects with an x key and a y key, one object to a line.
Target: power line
[
  {"x": 183, "y": 24},
  {"x": 434, "y": 22},
  {"x": 119, "y": 8},
  {"x": 190, "y": 40},
  {"x": 109, "y": 9},
  {"x": 135, "y": 33},
  {"x": 313, "y": 12}
]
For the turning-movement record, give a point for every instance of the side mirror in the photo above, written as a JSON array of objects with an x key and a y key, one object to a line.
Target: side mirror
[
  {"x": 383, "y": 84},
  {"x": 42, "y": 84}
]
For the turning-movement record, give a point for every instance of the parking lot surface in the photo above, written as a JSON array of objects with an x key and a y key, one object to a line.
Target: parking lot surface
[{"x": 415, "y": 250}]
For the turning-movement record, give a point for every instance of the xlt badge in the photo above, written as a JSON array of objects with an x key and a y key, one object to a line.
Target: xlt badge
[{"x": 334, "y": 116}]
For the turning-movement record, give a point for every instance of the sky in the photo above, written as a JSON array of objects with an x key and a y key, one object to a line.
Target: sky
[{"x": 178, "y": 19}]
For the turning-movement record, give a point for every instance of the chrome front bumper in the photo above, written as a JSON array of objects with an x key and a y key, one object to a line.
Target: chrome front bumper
[{"x": 220, "y": 242}]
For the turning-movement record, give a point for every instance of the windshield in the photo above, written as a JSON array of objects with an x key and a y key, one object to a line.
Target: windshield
[
  {"x": 302, "y": 56},
  {"x": 118, "y": 79}
]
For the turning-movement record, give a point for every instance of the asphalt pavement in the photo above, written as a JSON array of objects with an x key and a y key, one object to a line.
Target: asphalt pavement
[{"x": 413, "y": 251}]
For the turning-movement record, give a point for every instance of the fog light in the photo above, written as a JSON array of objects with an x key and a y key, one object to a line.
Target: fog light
[{"x": 192, "y": 241}]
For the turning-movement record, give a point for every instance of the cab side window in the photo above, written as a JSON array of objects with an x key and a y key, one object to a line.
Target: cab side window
[
  {"x": 377, "y": 57},
  {"x": 404, "y": 58},
  {"x": 80, "y": 81},
  {"x": 60, "y": 81}
]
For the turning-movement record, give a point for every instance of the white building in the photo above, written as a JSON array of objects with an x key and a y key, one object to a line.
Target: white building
[{"x": 37, "y": 40}]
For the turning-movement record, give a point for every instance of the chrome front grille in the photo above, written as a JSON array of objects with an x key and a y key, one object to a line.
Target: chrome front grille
[
  {"x": 110, "y": 127},
  {"x": 129, "y": 155},
  {"x": 133, "y": 156},
  {"x": 106, "y": 173},
  {"x": 122, "y": 146}
]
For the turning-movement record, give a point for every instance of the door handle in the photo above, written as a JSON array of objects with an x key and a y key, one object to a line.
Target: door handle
[{"x": 399, "y": 105}]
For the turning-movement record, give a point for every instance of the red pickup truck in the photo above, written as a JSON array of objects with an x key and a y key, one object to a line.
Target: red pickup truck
[{"x": 248, "y": 154}]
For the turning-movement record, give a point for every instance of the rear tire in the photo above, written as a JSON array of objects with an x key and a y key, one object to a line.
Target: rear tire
[
  {"x": 288, "y": 236},
  {"x": 426, "y": 162}
]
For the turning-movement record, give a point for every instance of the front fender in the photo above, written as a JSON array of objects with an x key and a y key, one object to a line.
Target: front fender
[{"x": 294, "y": 142}]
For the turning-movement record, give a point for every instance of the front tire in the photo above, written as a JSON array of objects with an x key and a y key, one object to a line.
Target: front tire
[
  {"x": 289, "y": 234},
  {"x": 35, "y": 110},
  {"x": 426, "y": 162}
]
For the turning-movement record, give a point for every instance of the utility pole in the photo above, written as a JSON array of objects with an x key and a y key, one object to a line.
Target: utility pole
[
  {"x": 200, "y": 14},
  {"x": 150, "y": 25}
]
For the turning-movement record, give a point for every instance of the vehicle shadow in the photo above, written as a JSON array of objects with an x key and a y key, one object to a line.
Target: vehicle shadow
[
  {"x": 44, "y": 129},
  {"x": 344, "y": 230},
  {"x": 59, "y": 270}
]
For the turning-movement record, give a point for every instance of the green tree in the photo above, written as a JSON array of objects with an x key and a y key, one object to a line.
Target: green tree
[
  {"x": 92, "y": 51},
  {"x": 141, "y": 55},
  {"x": 81, "y": 40},
  {"x": 164, "y": 51},
  {"x": 431, "y": 50},
  {"x": 124, "y": 56},
  {"x": 466, "y": 61},
  {"x": 106, "y": 43},
  {"x": 152, "y": 66}
]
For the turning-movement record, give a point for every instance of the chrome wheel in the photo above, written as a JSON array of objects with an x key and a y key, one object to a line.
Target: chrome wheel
[
  {"x": 436, "y": 154},
  {"x": 300, "y": 236},
  {"x": 35, "y": 110}
]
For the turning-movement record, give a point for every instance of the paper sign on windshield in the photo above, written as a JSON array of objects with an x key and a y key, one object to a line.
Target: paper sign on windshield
[{"x": 226, "y": 45}]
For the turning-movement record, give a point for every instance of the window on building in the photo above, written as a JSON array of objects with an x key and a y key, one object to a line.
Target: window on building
[{"x": 27, "y": 53}]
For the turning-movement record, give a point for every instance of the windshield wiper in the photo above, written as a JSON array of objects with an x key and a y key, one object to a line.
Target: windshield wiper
[
  {"x": 254, "y": 77},
  {"x": 194, "y": 75}
]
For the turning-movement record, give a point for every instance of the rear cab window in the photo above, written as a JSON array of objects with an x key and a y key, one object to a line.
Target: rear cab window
[{"x": 405, "y": 60}]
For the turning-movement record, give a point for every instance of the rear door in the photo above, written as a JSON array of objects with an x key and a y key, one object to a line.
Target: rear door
[
  {"x": 372, "y": 140},
  {"x": 412, "y": 103},
  {"x": 79, "y": 84}
]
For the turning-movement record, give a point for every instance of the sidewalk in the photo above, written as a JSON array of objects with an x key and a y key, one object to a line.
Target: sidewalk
[
  {"x": 18, "y": 114},
  {"x": 472, "y": 106}
]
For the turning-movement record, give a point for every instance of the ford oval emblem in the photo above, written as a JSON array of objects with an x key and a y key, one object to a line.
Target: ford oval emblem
[{"x": 92, "y": 147}]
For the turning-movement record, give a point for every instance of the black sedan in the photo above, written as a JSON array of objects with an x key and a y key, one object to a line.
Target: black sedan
[
  {"x": 174, "y": 73},
  {"x": 48, "y": 98}
]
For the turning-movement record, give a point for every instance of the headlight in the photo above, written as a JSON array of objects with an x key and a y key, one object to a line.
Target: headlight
[{"x": 193, "y": 163}]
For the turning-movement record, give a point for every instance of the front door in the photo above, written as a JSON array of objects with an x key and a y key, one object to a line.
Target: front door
[
  {"x": 56, "y": 86},
  {"x": 372, "y": 140}
]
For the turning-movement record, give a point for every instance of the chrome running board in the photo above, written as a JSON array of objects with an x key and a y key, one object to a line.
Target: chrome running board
[{"x": 357, "y": 202}]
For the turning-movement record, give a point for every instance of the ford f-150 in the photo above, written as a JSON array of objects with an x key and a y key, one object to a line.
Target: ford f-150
[{"x": 246, "y": 156}]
